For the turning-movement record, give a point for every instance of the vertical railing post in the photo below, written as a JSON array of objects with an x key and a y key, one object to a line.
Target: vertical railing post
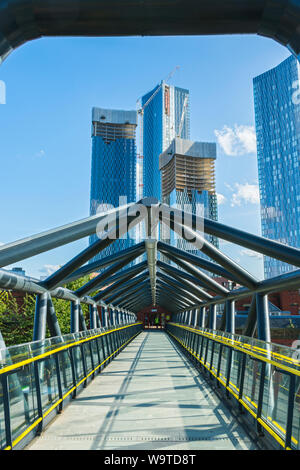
[
  {"x": 38, "y": 396},
  {"x": 242, "y": 371},
  {"x": 290, "y": 414},
  {"x": 59, "y": 384},
  {"x": 261, "y": 395},
  {"x": 6, "y": 406}
]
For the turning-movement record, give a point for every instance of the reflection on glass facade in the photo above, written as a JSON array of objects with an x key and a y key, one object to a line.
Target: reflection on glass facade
[
  {"x": 163, "y": 121},
  {"x": 113, "y": 175},
  {"x": 277, "y": 115}
]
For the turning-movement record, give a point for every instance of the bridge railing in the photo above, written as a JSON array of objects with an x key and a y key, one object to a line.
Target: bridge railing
[
  {"x": 263, "y": 378},
  {"x": 38, "y": 378}
]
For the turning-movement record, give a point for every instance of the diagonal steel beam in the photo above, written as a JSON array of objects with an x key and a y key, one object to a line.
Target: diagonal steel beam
[
  {"x": 122, "y": 276},
  {"x": 104, "y": 262},
  {"x": 196, "y": 260},
  {"x": 177, "y": 291},
  {"x": 189, "y": 281},
  {"x": 93, "y": 283},
  {"x": 124, "y": 288},
  {"x": 210, "y": 250},
  {"x": 170, "y": 300},
  {"x": 54, "y": 238},
  {"x": 183, "y": 284},
  {"x": 116, "y": 231},
  {"x": 187, "y": 298},
  {"x": 256, "y": 243},
  {"x": 132, "y": 291},
  {"x": 207, "y": 281}
]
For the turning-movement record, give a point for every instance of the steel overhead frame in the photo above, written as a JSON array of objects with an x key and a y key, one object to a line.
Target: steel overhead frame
[
  {"x": 121, "y": 292},
  {"x": 25, "y": 20},
  {"x": 105, "y": 262},
  {"x": 252, "y": 287},
  {"x": 117, "y": 223},
  {"x": 121, "y": 277}
]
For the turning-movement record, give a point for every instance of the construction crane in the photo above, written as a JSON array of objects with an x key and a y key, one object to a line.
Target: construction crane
[
  {"x": 185, "y": 105},
  {"x": 140, "y": 115}
]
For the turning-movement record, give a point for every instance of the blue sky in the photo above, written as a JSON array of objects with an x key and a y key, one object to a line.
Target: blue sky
[{"x": 45, "y": 145}]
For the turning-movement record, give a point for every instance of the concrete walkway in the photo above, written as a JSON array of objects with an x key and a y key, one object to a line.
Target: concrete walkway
[{"x": 148, "y": 398}]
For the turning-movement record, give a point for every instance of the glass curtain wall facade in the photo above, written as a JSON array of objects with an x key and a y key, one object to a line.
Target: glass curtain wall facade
[
  {"x": 163, "y": 116},
  {"x": 277, "y": 116},
  {"x": 113, "y": 173}
]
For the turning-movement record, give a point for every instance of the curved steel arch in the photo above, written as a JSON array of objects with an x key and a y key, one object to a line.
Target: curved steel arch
[{"x": 25, "y": 20}]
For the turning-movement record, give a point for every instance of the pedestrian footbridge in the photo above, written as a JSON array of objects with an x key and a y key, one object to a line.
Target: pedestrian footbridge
[
  {"x": 112, "y": 383},
  {"x": 125, "y": 388},
  {"x": 149, "y": 397}
]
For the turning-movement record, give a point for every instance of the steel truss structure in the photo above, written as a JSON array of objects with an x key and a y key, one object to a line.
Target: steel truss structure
[{"x": 182, "y": 286}]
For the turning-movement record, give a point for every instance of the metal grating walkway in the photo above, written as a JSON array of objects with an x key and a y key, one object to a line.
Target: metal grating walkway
[{"x": 148, "y": 398}]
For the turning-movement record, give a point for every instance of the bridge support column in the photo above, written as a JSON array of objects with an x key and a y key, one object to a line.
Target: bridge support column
[
  {"x": 52, "y": 321},
  {"x": 230, "y": 316},
  {"x": 201, "y": 320},
  {"x": 105, "y": 317},
  {"x": 40, "y": 317},
  {"x": 75, "y": 316},
  {"x": 93, "y": 316},
  {"x": 196, "y": 311},
  {"x": 82, "y": 319},
  {"x": 263, "y": 320},
  {"x": 98, "y": 318},
  {"x": 212, "y": 319}
]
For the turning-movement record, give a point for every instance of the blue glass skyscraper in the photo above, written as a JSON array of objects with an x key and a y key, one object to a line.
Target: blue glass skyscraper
[
  {"x": 162, "y": 119},
  {"x": 277, "y": 115},
  {"x": 113, "y": 174}
]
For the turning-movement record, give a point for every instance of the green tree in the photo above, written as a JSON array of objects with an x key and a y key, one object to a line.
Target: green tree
[{"x": 16, "y": 322}]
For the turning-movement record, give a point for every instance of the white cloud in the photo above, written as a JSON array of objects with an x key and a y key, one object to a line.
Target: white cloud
[
  {"x": 223, "y": 242},
  {"x": 49, "y": 268},
  {"x": 41, "y": 153},
  {"x": 252, "y": 254},
  {"x": 245, "y": 193},
  {"x": 238, "y": 140},
  {"x": 221, "y": 199}
]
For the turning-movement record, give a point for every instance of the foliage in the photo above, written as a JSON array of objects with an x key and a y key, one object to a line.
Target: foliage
[
  {"x": 16, "y": 322},
  {"x": 62, "y": 307}
]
